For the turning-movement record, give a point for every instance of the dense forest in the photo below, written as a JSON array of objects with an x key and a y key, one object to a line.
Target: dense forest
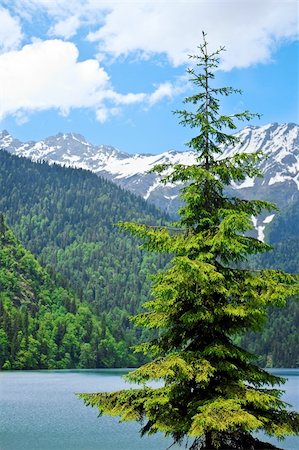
[
  {"x": 278, "y": 345},
  {"x": 44, "y": 326},
  {"x": 68, "y": 219},
  {"x": 283, "y": 234}
]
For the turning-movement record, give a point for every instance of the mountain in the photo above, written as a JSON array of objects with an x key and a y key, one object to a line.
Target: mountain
[
  {"x": 42, "y": 325},
  {"x": 275, "y": 344},
  {"x": 67, "y": 219},
  {"x": 279, "y": 142},
  {"x": 283, "y": 235}
]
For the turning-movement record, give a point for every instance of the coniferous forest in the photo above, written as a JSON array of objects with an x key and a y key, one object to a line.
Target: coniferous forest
[
  {"x": 43, "y": 326},
  {"x": 278, "y": 344},
  {"x": 68, "y": 219}
]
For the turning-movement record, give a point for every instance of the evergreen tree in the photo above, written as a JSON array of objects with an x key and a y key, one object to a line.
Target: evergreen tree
[{"x": 212, "y": 389}]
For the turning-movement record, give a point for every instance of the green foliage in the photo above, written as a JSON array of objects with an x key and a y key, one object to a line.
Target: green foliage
[
  {"x": 67, "y": 218},
  {"x": 43, "y": 326},
  {"x": 283, "y": 235},
  {"x": 278, "y": 344},
  {"x": 212, "y": 389}
]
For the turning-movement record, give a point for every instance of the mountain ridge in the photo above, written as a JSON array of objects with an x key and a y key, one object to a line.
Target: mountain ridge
[
  {"x": 280, "y": 168},
  {"x": 72, "y": 149}
]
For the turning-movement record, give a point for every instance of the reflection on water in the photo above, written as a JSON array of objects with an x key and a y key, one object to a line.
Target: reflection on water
[{"x": 39, "y": 411}]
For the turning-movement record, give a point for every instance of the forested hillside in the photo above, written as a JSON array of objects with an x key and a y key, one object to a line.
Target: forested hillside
[
  {"x": 283, "y": 234},
  {"x": 278, "y": 345},
  {"x": 67, "y": 218},
  {"x": 43, "y": 326}
]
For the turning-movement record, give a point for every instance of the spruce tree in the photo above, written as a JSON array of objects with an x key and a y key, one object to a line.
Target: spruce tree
[{"x": 211, "y": 391}]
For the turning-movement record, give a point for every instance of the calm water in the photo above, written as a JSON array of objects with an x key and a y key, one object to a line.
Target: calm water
[{"x": 39, "y": 411}]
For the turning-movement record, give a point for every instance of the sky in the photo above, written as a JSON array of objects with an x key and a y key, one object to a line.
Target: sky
[{"x": 114, "y": 71}]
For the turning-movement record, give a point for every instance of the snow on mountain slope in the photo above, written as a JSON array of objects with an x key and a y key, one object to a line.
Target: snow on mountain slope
[
  {"x": 280, "y": 167},
  {"x": 280, "y": 145}
]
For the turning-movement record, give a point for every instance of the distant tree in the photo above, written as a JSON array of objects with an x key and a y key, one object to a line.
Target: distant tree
[{"x": 212, "y": 389}]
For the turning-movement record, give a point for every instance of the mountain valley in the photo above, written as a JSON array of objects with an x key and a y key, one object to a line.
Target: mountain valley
[{"x": 67, "y": 218}]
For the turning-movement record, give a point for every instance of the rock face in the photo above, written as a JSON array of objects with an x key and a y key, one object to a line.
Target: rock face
[{"x": 279, "y": 142}]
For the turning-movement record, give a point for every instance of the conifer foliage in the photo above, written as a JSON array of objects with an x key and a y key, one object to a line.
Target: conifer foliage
[{"x": 211, "y": 389}]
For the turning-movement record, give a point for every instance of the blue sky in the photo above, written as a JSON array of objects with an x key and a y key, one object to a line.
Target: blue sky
[{"x": 115, "y": 71}]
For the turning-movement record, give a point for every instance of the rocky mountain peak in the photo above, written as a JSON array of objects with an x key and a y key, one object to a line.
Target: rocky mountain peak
[{"x": 280, "y": 167}]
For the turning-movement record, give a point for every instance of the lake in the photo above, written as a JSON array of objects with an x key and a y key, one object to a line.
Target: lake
[{"x": 39, "y": 411}]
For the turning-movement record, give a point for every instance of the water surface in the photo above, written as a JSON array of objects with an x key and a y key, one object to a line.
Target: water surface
[{"x": 39, "y": 411}]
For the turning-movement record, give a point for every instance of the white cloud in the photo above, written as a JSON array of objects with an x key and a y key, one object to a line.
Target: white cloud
[
  {"x": 59, "y": 10},
  {"x": 125, "y": 99},
  {"x": 168, "y": 90},
  {"x": 103, "y": 113},
  {"x": 250, "y": 29},
  {"x": 65, "y": 28},
  {"x": 10, "y": 31},
  {"x": 47, "y": 74}
]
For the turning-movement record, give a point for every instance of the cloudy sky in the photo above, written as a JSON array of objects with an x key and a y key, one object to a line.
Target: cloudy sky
[{"x": 115, "y": 71}]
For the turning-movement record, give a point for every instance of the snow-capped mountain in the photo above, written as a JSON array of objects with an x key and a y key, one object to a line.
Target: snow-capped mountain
[
  {"x": 279, "y": 142},
  {"x": 280, "y": 145}
]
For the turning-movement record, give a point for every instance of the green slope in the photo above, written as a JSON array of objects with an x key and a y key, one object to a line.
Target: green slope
[
  {"x": 283, "y": 234},
  {"x": 278, "y": 344},
  {"x": 67, "y": 218},
  {"x": 43, "y": 326}
]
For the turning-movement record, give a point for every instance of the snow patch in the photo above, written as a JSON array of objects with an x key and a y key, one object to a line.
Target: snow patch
[
  {"x": 170, "y": 197},
  {"x": 296, "y": 180},
  {"x": 247, "y": 183},
  {"x": 71, "y": 158},
  {"x": 260, "y": 233},
  {"x": 269, "y": 219},
  {"x": 141, "y": 164},
  {"x": 151, "y": 189},
  {"x": 278, "y": 178},
  {"x": 254, "y": 221},
  {"x": 78, "y": 140}
]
